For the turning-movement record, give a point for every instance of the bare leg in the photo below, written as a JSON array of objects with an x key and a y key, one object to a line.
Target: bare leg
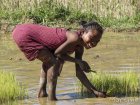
[
  {"x": 52, "y": 76},
  {"x": 84, "y": 80},
  {"x": 47, "y": 58},
  {"x": 43, "y": 81},
  {"x": 51, "y": 70},
  {"x": 60, "y": 62},
  {"x": 52, "y": 82}
]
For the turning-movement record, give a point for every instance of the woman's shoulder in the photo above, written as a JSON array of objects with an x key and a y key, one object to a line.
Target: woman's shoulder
[{"x": 72, "y": 35}]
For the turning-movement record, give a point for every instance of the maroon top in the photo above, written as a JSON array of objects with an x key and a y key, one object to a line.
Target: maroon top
[{"x": 30, "y": 38}]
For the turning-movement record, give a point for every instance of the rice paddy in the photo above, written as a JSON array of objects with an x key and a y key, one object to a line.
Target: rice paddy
[
  {"x": 117, "y": 84},
  {"x": 10, "y": 89}
]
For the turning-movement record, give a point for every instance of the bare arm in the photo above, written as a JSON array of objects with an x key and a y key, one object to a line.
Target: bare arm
[
  {"x": 83, "y": 78},
  {"x": 70, "y": 43},
  {"x": 79, "y": 72}
]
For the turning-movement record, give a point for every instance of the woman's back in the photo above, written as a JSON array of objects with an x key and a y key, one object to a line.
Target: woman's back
[
  {"x": 50, "y": 37},
  {"x": 31, "y": 38}
]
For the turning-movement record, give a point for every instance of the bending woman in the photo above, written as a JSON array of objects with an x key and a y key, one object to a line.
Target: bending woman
[{"x": 52, "y": 46}]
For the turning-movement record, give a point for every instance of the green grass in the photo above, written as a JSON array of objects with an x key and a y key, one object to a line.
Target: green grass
[
  {"x": 48, "y": 12},
  {"x": 119, "y": 84},
  {"x": 10, "y": 89}
]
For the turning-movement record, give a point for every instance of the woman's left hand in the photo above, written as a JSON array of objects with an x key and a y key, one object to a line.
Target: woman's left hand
[
  {"x": 84, "y": 66},
  {"x": 87, "y": 69}
]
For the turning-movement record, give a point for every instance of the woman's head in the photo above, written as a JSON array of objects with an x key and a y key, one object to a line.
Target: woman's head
[{"x": 91, "y": 33}]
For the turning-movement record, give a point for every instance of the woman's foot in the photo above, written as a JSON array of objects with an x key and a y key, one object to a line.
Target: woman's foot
[
  {"x": 52, "y": 98},
  {"x": 42, "y": 94}
]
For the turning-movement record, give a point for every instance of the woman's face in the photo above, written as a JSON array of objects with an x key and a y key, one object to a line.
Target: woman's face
[{"x": 91, "y": 38}]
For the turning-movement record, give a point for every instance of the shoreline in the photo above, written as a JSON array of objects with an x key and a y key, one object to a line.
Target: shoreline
[{"x": 8, "y": 27}]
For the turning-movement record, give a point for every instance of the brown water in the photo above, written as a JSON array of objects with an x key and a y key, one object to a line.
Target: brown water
[{"x": 117, "y": 52}]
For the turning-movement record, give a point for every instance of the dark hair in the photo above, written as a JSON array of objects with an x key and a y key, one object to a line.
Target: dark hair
[{"x": 86, "y": 26}]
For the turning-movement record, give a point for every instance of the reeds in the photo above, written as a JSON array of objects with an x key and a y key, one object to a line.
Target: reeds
[
  {"x": 102, "y": 8},
  {"x": 120, "y": 84},
  {"x": 10, "y": 89},
  {"x": 110, "y": 13}
]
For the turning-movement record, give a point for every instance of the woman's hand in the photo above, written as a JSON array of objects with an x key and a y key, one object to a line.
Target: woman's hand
[
  {"x": 84, "y": 66},
  {"x": 101, "y": 94}
]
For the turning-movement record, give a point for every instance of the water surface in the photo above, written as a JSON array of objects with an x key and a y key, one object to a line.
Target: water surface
[{"x": 117, "y": 52}]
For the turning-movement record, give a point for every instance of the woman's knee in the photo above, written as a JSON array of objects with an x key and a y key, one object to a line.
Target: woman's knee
[
  {"x": 46, "y": 56},
  {"x": 52, "y": 76}
]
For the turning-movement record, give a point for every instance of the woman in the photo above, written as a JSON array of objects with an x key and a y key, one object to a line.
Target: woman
[{"x": 52, "y": 46}]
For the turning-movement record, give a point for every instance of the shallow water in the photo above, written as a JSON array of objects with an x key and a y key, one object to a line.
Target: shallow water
[{"x": 117, "y": 52}]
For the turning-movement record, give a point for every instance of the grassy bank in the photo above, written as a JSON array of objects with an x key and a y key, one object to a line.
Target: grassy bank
[
  {"x": 10, "y": 88},
  {"x": 124, "y": 84},
  {"x": 114, "y": 15}
]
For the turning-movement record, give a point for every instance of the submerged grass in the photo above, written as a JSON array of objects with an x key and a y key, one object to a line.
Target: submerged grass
[
  {"x": 121, "y": 84},
  {"x": 10, "y": 89}
]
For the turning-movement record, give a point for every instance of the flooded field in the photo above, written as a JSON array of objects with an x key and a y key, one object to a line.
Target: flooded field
[{"x": 117, "y": 52}]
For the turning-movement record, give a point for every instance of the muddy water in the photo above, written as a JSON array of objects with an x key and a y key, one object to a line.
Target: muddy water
[{"x": 117, "y": 52}]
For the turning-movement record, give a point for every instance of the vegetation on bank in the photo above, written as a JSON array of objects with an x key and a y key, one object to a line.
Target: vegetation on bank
[
  {"x": 119, "y": 84},
  {"x": 49, "y": 12},
  {"x": 10, "y": 89}
]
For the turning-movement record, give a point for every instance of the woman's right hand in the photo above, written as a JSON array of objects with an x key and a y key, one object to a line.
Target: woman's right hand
[{"x": 101, "y": 94}]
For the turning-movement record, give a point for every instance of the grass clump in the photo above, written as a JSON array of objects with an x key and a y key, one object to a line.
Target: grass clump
[
  {"x": 122, "y": 84},
  {"x": 10, "y": 89}
]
